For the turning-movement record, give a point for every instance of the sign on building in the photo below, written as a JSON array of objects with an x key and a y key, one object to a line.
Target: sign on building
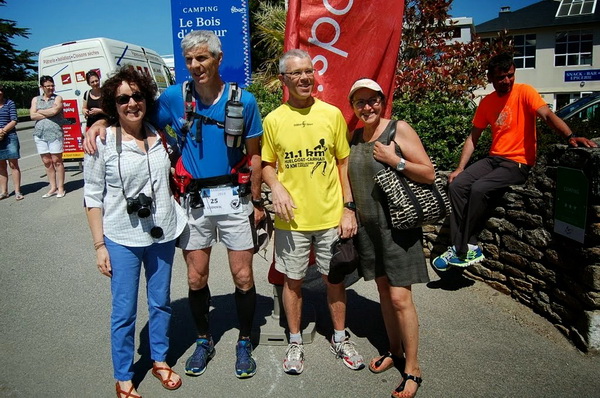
[{"x": 582, "y": 75}]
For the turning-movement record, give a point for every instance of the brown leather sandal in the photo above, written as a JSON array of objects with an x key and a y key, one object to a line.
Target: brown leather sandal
[
  {"x": 126, "y": 394},
  {"x": 165, "y": 381}
]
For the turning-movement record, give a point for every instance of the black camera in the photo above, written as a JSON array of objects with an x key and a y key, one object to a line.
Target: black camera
[{"x": 141, "y": 205}]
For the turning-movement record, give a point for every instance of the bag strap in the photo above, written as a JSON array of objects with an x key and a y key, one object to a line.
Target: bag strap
[
  {"x": 391, "y": 130},
  {"x": 391, "y": 134}
]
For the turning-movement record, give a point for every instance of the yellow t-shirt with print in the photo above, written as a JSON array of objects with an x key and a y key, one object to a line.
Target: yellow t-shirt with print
[{"x": 306, "y": 144}]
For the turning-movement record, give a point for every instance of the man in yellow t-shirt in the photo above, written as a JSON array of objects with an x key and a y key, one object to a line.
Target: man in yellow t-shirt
[
  {"x": 511, "y": 111},
  {"x": 305, "y": 160}
]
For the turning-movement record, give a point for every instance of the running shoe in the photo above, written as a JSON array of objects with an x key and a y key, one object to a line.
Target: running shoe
[
  {"x": 245, "y": 366},
  {"x": 347, "y": 352},
  {"x": 205, "y": 351},
  {"x": 472, "y": 257},
  {"x": 442, "y": 263},
  {"x": 293, "y": 363}
]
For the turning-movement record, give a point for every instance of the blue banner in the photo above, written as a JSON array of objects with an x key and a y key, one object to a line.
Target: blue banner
[
  {"x": 229, "y": 20},
  {"x": 582, "y": 75}
]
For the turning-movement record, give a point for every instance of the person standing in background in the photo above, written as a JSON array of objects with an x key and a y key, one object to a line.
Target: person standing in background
[
  {"x": 47, "y": 111},
  {"x": 9, "y": 147},
  {"x": 92, "y": 100}
]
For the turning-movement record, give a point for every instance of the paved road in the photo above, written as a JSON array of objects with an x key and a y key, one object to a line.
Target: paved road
[{"x": 54, "y": 324}]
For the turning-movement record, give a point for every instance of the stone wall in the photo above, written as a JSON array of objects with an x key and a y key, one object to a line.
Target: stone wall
[{"x": 557, "y": 277}]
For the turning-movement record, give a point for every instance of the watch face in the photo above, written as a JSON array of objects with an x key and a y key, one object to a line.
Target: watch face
[
  {"x": 350, "y": 205},
  {"x": 400, "y": 166}
]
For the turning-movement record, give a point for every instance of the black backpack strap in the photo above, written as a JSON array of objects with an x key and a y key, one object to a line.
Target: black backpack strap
[{"x": 235, "y": 94}]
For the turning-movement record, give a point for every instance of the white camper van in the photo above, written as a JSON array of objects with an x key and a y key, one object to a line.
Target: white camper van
[{"x": 68, "y": 63}]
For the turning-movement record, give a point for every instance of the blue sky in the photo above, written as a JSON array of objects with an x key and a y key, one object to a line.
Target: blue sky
[{"x": 148, "y": 22}]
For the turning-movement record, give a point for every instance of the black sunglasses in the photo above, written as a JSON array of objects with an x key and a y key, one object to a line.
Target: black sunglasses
[{"x": 124, "y": 98}]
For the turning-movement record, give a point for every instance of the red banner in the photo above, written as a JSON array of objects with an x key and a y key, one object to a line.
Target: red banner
[{"x": 347, "y": 40}]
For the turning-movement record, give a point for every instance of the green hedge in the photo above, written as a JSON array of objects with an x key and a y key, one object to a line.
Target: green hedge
[
  {"x": 442, "y": 125},
  {"x": 21, "y": 92},
  {"x": 267, "y": 100}
]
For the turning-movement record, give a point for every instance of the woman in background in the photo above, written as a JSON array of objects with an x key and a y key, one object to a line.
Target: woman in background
[
  {"x": 134, "y": 220},
  {"x": 47, "y": 111},
  {"x": 92, "y": 100},
  {"x": 9, "y": 147}
]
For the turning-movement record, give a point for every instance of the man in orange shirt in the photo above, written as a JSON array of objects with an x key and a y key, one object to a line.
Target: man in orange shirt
[{"x": 511, "y": 111}]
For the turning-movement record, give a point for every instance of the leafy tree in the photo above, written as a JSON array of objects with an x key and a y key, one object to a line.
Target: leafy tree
[
  {"x": 14, "y": 64},
  {"x": 430, "y": 61},
  {"x": 268, "y": 19},
  {"x": 436, "y": 78}
]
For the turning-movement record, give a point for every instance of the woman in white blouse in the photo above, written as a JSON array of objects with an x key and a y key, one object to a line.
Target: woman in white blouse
[{"x": 134, "y": 220}]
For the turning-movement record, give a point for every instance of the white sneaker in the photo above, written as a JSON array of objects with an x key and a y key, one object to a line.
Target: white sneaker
[
  {"x": 348, "y": 353},
  {"x": 293, "y": 363}
]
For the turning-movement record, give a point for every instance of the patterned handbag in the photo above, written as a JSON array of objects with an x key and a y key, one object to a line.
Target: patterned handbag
[{"x": 412, "y": 204}]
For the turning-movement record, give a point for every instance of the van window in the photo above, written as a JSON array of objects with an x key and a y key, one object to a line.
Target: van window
[{"x": 169, "y": 75}]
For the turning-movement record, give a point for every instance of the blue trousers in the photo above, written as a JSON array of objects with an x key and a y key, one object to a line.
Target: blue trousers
[{"x": 126, "y": 265}]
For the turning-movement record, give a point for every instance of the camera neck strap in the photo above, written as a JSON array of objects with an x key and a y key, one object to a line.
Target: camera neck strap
[{"x": 119, "y": 148}]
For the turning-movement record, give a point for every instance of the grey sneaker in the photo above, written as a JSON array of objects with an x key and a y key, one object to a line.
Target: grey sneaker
[
  {"x": 347, "y": 352},
  {"x": 293, "y": 363}
]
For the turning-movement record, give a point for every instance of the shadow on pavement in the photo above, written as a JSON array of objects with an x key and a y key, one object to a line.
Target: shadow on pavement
[
  {"x": 27, "y": 189},
  {"x": 451, "y": 280},
  {"x": 31, "y": 188},
  {"x": 223, "y": 317}
]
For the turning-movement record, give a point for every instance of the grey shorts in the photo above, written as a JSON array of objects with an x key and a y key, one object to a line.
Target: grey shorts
[
  {"x": 235, "y": 231},
  {"x": 292, "y": 249}
]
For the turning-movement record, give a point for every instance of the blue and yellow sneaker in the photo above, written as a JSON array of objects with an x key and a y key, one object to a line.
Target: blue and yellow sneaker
[
  {"x": 205, "y": 351},
  {"x": 472, "y": 257},
  {"x": 245, "y": 366}
]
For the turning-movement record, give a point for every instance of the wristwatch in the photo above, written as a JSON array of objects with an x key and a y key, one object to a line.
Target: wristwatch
[
  {"x": 258, "y": 202},
  {"x": 401, "y": 165},
  {"x": 350, "y": 206}
]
